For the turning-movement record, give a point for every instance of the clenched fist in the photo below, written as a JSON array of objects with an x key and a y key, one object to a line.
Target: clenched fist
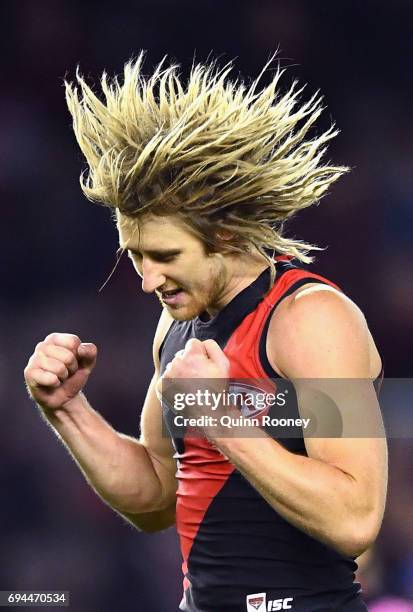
[
  {"x": 58, "y": 369},
  {"x": 201, "y": 367},
  {"x": 199, "y": 360}
]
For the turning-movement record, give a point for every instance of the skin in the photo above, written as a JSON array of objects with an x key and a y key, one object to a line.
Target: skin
[
  {"x": 167, "y": 256},
  {"x": 135, "y": 477},
  {"x": 314, "y": 334},
  {"x": 354, "y": 468}
]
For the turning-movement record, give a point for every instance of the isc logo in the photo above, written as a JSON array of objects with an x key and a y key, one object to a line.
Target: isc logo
[
  {"x": 257, "y": 602},
  {"x": 280, "y": 604}
]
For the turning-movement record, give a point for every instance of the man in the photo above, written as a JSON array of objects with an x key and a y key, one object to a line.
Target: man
[{"x": 201, "y": 178}]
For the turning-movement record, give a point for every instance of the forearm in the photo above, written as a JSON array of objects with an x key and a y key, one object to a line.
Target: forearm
[
  {"x": 117, "y": 467},
  {"x": 316, "y": 497}
]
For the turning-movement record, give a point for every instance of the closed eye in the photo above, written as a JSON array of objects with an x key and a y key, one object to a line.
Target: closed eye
[
  {"x": 158, "y": 256},
  {"x": 164, "y": 258}
]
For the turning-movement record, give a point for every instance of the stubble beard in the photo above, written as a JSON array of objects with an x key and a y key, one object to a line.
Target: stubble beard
[{"x": 198, "y": 306}]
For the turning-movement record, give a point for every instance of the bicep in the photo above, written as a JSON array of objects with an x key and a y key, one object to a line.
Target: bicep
[
  {"x": 325, "y": 351},
  {"x": 322, "y": 334},
  {"x": 347, "y": 432}
]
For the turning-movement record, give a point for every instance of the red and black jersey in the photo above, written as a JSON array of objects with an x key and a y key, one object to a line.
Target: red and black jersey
[{"x": 234, "y": 544}]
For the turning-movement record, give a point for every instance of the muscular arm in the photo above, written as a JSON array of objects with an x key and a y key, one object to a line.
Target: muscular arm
[
  {"x": 337, "y": 493},
  {"x": 135, "y": 477}
]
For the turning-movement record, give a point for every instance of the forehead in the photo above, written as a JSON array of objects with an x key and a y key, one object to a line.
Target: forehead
[{"x": 151, "y": 232}]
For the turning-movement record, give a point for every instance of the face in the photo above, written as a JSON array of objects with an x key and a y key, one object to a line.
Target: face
[{"x": 173, "y": 263}]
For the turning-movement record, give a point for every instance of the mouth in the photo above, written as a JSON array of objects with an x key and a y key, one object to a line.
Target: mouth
[{"x": 171, "y": 297}]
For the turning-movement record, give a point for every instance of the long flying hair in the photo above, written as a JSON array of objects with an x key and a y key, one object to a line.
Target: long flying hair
[{"x": 214, "y": 151}]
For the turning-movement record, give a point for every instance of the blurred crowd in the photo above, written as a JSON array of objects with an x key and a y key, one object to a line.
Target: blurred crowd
[{"x": 59, "y": 250}]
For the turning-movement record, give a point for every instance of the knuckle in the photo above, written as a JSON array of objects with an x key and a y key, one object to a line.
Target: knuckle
[
  {"x": 72, "y": 345},
  {"x": 172, "y": 369},
  {"x": 41, "y": 359},
  {"x": 192, "y": 343},
  {"x": 30, "y": 378},
  {"x": 51, "y": 337},
  {"x": 61, "y": 337},
  {"x": 211, "y": 342},
  {"x": 62, "y": 370},
  {"x": 63, "y": 354},
  {"x": 70, "y": 362},
  {"x": 67, "y": 339},
  {"x": 72, "y": 367}
]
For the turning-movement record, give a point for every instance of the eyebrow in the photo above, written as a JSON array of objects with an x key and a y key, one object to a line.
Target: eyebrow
[{"x": 156, "y": 252}]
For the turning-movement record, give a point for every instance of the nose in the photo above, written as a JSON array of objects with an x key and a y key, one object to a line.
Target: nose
[{"x": 152, "y": 276}]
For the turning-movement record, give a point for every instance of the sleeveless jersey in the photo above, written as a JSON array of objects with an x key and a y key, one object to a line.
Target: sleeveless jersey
[{"x": 239, "y": 554}]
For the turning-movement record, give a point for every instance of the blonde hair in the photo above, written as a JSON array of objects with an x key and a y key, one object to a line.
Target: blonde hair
[{"x": 216, "y": 152}]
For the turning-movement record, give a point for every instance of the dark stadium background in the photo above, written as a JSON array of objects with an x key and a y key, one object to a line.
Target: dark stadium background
[{"x": 58, "y": 249}]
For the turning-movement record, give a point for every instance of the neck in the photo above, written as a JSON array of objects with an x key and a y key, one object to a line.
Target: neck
[{"x": 237, "y": 274}]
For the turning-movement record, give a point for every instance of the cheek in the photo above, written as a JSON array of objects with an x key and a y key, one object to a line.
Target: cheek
[
  {"x": 197, "y": 273},
  {"x": 204, "y": 278}
]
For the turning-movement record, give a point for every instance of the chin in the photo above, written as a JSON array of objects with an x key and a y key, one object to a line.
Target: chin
[{"x": 185, "y": 313}]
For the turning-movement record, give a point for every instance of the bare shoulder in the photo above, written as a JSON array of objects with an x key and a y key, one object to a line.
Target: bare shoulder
[
  {"x": 164, "y": 323},
  {"x": 319, "y": 332}
]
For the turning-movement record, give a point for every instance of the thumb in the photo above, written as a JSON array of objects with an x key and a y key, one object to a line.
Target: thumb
[
  {"x": 87, "y": 354},
  {"x": 216, "y": 354}
]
